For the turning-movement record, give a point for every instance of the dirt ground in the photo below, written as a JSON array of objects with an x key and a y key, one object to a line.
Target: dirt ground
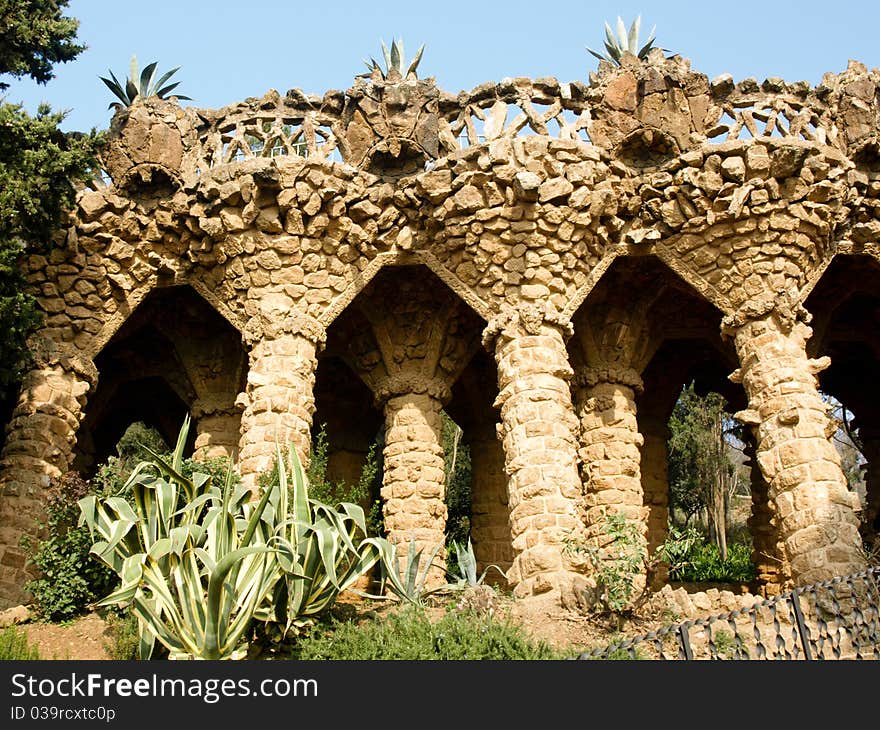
[{"x": 87, "y": 637}]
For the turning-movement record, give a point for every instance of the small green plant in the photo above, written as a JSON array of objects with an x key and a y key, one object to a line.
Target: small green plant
[
  {"x": 322, "y": 489},
  {"x": 407, "y": 583},
  {"x": 123, "y": 643},
  {"x": 624, "y": 42},
  {"x": 704, "y": 564},
  {"x": 321, "y": 550},
  {"x": 140, "y": 85},
  {"x": 725, "y": 645},
  {"x": 69, "y": 577},
  {"x": 464, "y": 574},
  {"x": 676, "y": 550},
  {"x": 623, "y": 555},
  {"x": 395, "y": 65},
  {"x": 14, "y": 646},
  {"x": 408, "y": 634}
]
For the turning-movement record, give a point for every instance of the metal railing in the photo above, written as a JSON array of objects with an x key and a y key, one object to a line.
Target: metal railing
[{"x": 835, "y": 619}]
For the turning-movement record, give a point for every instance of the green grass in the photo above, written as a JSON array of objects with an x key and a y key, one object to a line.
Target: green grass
[{"x": 14, "y": 646}]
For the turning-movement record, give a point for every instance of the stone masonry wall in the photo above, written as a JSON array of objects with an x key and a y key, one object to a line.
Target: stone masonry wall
[{"x": 396, "y": 221}]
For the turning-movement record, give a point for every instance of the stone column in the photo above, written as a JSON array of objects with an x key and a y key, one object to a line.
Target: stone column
[
  {"x": 413, "y": 481},
  {"x": 767, "y": 552},
  {"x": 490, "y": 509},
  {"x": 816, "y": 513},
  {"x": 278, "y": 400},
  {"x": 655, "y": 483},
  {"x": 218, "y": 430},
  {"x": 39, "y": 447},
  {"x": 609, "y": 452},
  {"x": 537, "y": 431}
]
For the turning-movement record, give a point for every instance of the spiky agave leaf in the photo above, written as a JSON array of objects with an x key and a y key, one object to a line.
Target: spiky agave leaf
[
  {"x": 141, "y": 84},
  {"x": 415, "y": 62},
  {"x": 633, "y": 38},
  {"x": 621, "y": 34},
  {"x": 623, "y": 41}
]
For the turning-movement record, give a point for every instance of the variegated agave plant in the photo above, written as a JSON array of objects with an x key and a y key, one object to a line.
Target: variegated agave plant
[
  {"x": 195, "y": 559},
  {"x": 624, "y": 42},
  {"x": 395, "y": 62},
  {"x": 141, "y": 84}
]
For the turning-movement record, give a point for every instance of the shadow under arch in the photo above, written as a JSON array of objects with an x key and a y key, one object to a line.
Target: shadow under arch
[
  {"x": 173, "y": 355},
  {"x": 845, "y": 306},
  {"x": 641, "y": 336},
  {"x": 411, "y": 342}
]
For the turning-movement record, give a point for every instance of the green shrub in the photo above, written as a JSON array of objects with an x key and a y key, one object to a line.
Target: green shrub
[
  {"x": 704, "y": 564},
  {"x": 409, "y": 634},
  {"x": 124, "y": 642},
  {"x": 457, "y": 466},
  {"x": 14, "y": 646},
  {"x": 69, "y": 576},
  {"x": 622, "y": 557}
]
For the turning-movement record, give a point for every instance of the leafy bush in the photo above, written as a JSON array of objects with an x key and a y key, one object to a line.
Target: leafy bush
[
  {"x": 191, "y": 556},
  {"x": 123, "y": 642},
  {"x": 458, "y": 469},
  {"x": 69, "y": 577},
  {"x": 623, "y": 556},
  {"x": 199, "y": 562},
  {"x": 409, "y": 634},
  {"x": 14, "y": 646},
  {"x": 704, "y": 564}
]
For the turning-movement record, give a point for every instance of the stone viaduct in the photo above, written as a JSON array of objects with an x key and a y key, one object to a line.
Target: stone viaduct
[{"x": 548, "y": 262}]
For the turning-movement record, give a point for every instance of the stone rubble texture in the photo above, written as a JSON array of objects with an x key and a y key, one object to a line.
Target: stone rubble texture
[{"x": 549, "y": 262}]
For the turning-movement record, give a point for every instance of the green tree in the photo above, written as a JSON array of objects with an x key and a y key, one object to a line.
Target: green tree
[
  {"x": 702, "y": 472},
  {"x": 39, "y": 168},
  {"x": 34, "y": 37}
]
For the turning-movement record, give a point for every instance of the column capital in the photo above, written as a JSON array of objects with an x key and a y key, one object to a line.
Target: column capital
[
  {"x": 785, "y": 308},
  {"x": 403, "y": 383},
  {"x": 512, "y": 321},
  {"x": 49, "y": 353},
  {"x": 271, "y": 326},
  {"x": 587, "y": 376}
]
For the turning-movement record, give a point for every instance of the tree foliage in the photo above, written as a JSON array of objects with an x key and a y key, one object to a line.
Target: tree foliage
[
  {"x": 39, "y": 167},
  {"x": 702, "y": 474},
  {"x": 34, "y": 37}
]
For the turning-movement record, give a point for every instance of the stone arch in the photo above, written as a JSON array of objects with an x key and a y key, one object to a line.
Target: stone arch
[
  {"x": 393, "y": 259},
  {"x": 137, "y": 297},
  {"x": 408, "y": 337},
  {"x": 641, "y": 334},
  {"x": 173, "y": 355},
  {"x": 845, "y": 305}
]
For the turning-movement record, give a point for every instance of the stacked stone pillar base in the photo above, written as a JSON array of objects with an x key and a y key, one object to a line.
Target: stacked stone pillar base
[
  {"x": 413, "y": 484},
  {"x": 610, "y": 452},
  {"x": 38, "y": 449}
]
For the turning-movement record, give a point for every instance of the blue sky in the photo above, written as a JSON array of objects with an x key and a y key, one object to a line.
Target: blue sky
[{"x": 231, "y": 50}]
